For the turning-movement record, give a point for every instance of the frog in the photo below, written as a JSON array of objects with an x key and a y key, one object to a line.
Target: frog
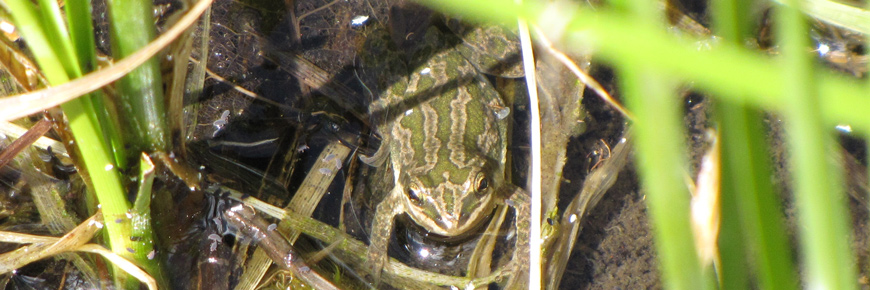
[{"x": 444, "y": 148}]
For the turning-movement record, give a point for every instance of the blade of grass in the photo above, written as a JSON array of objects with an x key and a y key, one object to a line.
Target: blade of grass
[
  {"x": 58, "y": 36},
  {"x": 751, "y": 204},
  {"x": 535, "y": 175},
  {"x": 819, "y": 196},
  {"x": 140, "y": 218},
  {"x": 728, "y": 23},
  {"x": 617, "y": 37},
  {"x": 98, "y": 163},
  {"x": 140, "y": 92},
  {"x": 27, "y": 20},
  {"x": 661, "y": 165},
  {"x": 751, "y": 214},
  {"x": 81, "y": 29}
]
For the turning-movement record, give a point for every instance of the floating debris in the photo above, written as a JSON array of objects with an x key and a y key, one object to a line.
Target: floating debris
[{"x": 358, "y": 21}]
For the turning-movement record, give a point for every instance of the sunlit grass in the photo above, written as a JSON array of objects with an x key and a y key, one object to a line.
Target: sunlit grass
[
  {"x": 66, "y": 55},
  {"x": 54, "y": 52}
]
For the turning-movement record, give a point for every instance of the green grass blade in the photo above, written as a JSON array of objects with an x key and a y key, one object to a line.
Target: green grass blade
[
  {"x": 141, "y": 92},
  {"x": 661, "y": 166},
  {"x": 99, "y": 163},
  {"x": 58, "y": 36},
  {"x": 750, "y": 210},
  {"x": 81, "y": 30},
  {"x": 818, "y": 191},
  {"x": 748, "y": 189},
  {"x": 616, "y": 38},
  {"x": 27, "y": 19}
]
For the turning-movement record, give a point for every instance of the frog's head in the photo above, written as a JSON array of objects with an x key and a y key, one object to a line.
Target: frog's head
[{"x": 450, "y": 202}]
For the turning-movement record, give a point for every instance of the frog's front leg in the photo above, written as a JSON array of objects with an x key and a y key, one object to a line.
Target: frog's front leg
[
  {"x": 521, "y": 203},
  {"x": 382, "y": 229}
]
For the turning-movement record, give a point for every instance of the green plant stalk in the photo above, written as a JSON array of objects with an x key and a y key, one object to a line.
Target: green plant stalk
[
  {"x": 732, "y": 267},
  {"x": 140, "y": 92},
  {"x": 56, "y": 32},
  {"x": 80, "y": 23},
  {"x": 660, "y": 155},
  {"x": 105, "y": 177},
  {"x": 83, "y": 122},
  {"x": 732, "y": 249},
  {"x": 140, "y": 218},
  {"x": 661, "y": 166},
  {"x": 750, "y": 208},
  {"x": 615, "y": 38},
  {"x": 747, "y": 186},
  {"x": 819, "y": 197},
  {"x": 81, "y": 29}
]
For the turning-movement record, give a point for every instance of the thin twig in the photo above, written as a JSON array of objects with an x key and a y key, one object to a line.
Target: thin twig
[
  {"x": 15, "y": 131},
  {"x": 38, "y": 129},
  {"x": 306, "y": 14},
  {"x": 273, "y": 243}
]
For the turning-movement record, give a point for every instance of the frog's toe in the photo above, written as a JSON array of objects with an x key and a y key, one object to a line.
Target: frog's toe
[
  {"x": 376, "y": 263},
  {"x": 520, "y": 277},
  {"x": 379, "y": 157}
]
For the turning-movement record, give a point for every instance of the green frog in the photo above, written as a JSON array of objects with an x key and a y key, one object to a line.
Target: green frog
[{"x": 443, "y": 154}]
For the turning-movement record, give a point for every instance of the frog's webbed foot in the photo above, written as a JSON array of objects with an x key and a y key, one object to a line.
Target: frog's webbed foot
[
  {"x": 376, "y": 261},
  {"x": 379, "y": 238},
  {"x": 520, "y": 201},
  {"x": 379, "y": 157}
]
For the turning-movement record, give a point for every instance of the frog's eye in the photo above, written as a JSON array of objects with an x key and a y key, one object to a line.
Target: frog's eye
[
  {"x": 413, "y": 195},
  {"x": 482, "y": 183}
]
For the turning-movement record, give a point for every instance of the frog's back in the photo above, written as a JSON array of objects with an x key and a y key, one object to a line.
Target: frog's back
[{"x": 455, "y": 114}]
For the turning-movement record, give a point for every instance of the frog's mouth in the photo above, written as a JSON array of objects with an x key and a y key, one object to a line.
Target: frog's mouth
[{"x": 472, "y": 230}]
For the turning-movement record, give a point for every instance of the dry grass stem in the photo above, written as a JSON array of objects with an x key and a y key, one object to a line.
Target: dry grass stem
[
  {"x": 35, "y": 132},
  {"x": 581, "y": 75},
  {"x": 15, "y": 131},
  {"x": 76, "y": 240}
]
